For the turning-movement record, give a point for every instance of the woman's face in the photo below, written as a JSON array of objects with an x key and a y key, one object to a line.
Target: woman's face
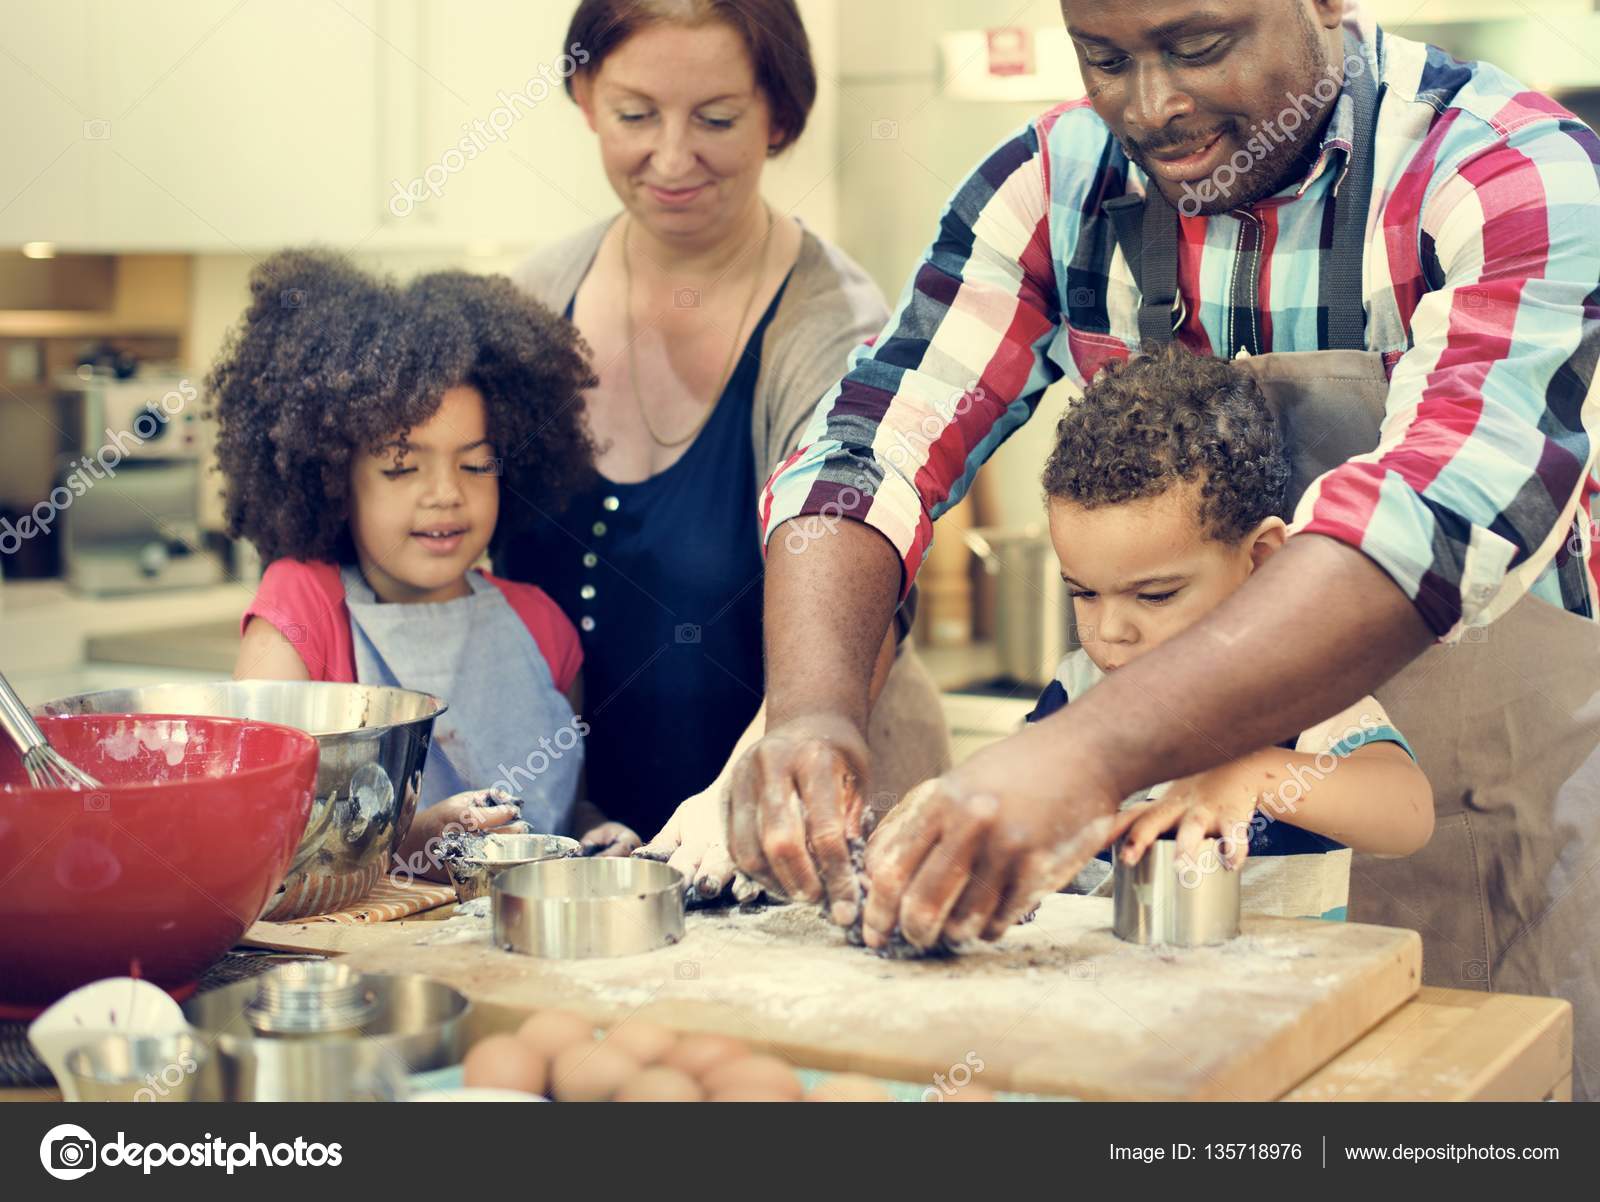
[
  {"x": 683, "y": 129},
  {"x": 423, "y": 508}
]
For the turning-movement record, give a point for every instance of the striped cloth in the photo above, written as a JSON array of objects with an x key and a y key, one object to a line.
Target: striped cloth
[
  {"x": 1480, "y": 281},
  {"x": 389, "y": 900}
]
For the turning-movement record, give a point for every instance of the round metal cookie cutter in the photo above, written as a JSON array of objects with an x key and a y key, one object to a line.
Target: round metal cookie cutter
[
  {"x": 1159, "y": 901},
  {"x": 579, "y": 909}
]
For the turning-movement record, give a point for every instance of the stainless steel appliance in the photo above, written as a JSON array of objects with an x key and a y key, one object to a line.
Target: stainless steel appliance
[
  {"x": 1033, "y": 614},
  {"x": 127, "y": 488}
]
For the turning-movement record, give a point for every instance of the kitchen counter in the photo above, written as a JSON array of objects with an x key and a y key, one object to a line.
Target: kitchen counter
[{"x": 46, "y": 627}]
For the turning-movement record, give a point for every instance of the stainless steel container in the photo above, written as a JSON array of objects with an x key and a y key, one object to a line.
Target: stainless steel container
[
  {"x": 373, "y": 743},
  {"x": 581, "y": 909},
  {"x": 1033, "y": 613},
  {"x": 123, "y": 1068},
  {"x": 473, "y": 859},
  {"x": 414, "y": 1024},
  {"x": 1159, "y": 901}
]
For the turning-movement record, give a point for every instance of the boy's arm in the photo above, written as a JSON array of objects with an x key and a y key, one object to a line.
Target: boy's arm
[{"x": 1374, "y": 799}]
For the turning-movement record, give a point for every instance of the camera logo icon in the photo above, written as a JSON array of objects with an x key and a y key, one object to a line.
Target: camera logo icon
[
  {"x": 67, "y": 1152},
  {"x": 96, "y": 129},
  {"x": 686, "y": 633},
  {"x": 686, "y": 970},
  {"x": 884, "y": 130},
  {"x": 97, "y": 802},
  {"x": 686, "y": 298}
]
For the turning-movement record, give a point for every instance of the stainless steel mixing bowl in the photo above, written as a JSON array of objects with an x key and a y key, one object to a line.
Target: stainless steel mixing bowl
[
  {"x": 373, "y": 743},
  {"x": 411, "y": 1024}
]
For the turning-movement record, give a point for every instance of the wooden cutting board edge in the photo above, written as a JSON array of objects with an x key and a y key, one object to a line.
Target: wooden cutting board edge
[{"x": 1385, "y": 987}]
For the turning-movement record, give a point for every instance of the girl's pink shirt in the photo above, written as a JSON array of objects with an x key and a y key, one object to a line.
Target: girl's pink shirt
[{"x": 304, "y": 601}]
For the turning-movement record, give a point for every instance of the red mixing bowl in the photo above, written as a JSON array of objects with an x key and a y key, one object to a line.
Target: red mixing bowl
[{"x": 159, "y": 872}]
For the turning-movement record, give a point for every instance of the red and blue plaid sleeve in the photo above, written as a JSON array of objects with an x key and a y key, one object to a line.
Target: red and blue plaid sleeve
[
  {"x": 959, "y": 366},
  {"x": 1488, "y": 443}
]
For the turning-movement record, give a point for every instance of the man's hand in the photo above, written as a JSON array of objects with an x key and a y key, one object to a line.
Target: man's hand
[
  {"x": 795, "y": 804},
  {"x": 966, "y": 856}
]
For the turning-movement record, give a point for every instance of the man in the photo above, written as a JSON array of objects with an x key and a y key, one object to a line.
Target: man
[{"x": 1403, "y": 246}]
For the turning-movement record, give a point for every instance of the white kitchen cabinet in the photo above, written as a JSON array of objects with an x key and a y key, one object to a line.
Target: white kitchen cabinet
[
  {"x": 218, "y": 126},
  {"x": 480, "y": 128},
  {"x": 46, "y": 93},
  {"x": 191, "y": 124},
  {"x": 229, "y": 126}
]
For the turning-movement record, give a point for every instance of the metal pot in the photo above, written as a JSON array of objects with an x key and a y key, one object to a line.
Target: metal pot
[
  {"x": 1033, "y": 614},
  {"x": 373, "y": 744},
  {"x": 407, "y": 1024}
]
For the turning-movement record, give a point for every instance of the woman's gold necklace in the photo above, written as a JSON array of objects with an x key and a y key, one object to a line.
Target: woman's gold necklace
[{"x": 733, "y": 351}]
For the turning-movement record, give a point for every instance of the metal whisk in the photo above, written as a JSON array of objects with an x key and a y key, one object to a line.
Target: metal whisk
[{"x": 45, "y": 766}]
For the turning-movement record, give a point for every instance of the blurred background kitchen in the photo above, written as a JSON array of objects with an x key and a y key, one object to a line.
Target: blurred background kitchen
[{"x": 153, "y": 150}]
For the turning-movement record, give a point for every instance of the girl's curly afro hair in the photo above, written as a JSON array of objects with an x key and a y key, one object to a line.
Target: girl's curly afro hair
[
  {"x": 1169, "y": 415},
  {"x": 330, "y": 362}
]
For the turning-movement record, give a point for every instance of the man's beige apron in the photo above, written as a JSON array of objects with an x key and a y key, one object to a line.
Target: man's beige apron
[{"x": 1505, "y": 723}]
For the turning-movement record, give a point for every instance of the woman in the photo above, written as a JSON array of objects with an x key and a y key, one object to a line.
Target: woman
[{"x": 716, "y": 324}]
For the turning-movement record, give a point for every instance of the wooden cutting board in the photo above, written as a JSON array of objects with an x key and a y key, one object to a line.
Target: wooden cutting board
[{"x": 1058, "y": 1007}]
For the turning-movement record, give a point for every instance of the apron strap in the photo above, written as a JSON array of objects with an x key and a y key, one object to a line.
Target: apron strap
[{"x": 1147, "y": 231}]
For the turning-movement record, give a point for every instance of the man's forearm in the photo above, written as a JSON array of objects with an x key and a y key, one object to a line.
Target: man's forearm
[
  {"x": 828, "y": 608},
  {"x": 1316, "y": 628}
]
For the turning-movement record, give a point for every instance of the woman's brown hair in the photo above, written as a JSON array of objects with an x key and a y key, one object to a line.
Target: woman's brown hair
[{"x": 772, "y": 31}]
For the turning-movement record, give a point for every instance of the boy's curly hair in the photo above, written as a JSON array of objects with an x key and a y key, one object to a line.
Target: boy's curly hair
[
  {"x": 1169, "y": 415},
  {"x": 330, "y": 362}
]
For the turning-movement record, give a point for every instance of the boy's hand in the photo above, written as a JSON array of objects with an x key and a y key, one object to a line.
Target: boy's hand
[
  {"x": 609, "y": 839},
  {"x": 1220, "y": 802},
  {"x": 475, "y": 810}
]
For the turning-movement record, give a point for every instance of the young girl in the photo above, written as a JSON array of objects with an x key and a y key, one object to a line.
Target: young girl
[{"x": 365, "y": 434}]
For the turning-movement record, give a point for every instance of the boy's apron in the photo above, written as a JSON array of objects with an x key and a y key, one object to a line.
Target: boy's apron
[
  {"x": 476, "y": 654},
  {"x": 1505, "y": 723}
]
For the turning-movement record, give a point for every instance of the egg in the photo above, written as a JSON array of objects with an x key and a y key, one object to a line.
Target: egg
[
  {"x": 660, "y": 1085},
  {"x": 552, "y": 1031},
  {"x": 699, "y": 1054},
  {"x": 504, "y": 1062},
  {"x": 590, "y": 1072},
  {"x": 752, "y": 1079},
  {"x": 849, "y": 1087},
  {"x": 645, "y": 1041}
]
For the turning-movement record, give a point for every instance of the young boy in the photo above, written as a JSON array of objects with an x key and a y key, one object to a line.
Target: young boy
[{"x": 1165, "y": 491}]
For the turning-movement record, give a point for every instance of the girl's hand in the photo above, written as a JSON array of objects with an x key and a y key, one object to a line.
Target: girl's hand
[
  {"x": 694, "y": 841},
  {"x": 1220, "y": 802},
  {"x": 475, "y": 810},
  {"x": 609, "y": 839}
]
